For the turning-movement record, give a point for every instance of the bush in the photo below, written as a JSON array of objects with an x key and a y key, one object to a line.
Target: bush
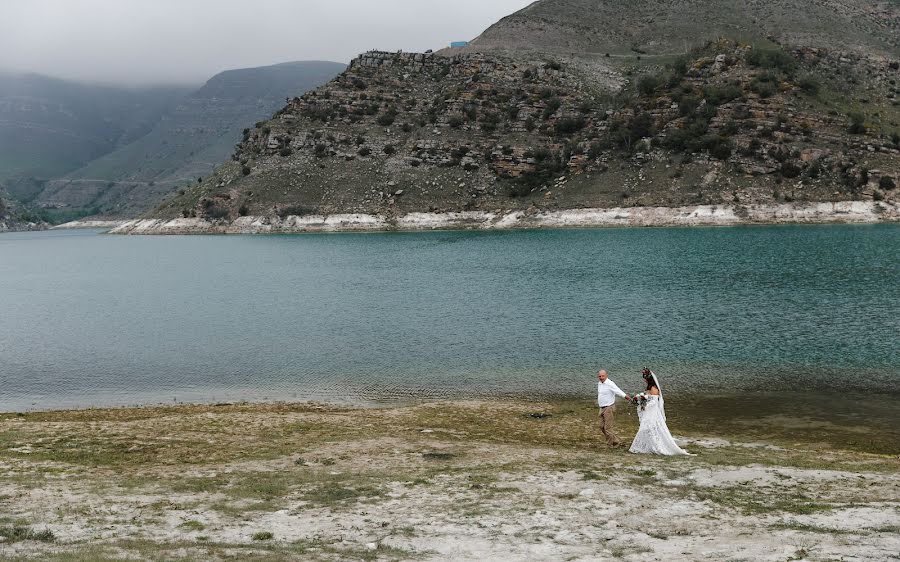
[
  {"x": 857, "y": 123},
  {"x": 809, "y": 85},
  {"x": 886, "y": 183},
  {"x": 647, "y": 85},
  {"x": 553, "y": 104},
  {"x": 245, "y": 170},
  {"x": 263, "y": 536},
  {"x": 489, "y": 121},
  {"x": 456, "y": 121},
  {"x": 387, "y": 118},
  {"x": 771, "y": 59},
  {"x": 720, "y": 95},
  {"x": 570, "y": 125},
  {"x": 688, "y": 105},
  {"x": 730, "y": 127},
  {"x": 765, "y": 84},
  {"x": 364, "y": 151},
  {"x": 389, "y": 149},
  {"x": 789, "y": 170},
  {"x": 627, "y": 133},
  {"x": 718, "y": 146},
  {"x": 286, "y": 151}
]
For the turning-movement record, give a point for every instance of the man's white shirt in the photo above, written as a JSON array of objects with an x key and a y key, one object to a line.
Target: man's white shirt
[{"x": 607, "y": 392}]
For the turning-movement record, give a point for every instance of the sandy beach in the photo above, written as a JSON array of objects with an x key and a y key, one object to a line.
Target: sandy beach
[{"x": 499, "y": 480}]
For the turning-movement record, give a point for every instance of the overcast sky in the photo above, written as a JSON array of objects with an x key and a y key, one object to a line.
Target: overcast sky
[{"x": 151, "y": 41}]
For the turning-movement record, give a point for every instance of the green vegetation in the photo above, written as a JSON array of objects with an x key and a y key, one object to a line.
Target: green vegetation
[
  {"x": 11, "y": 534},
  {"x": 771, "y": 59},
  {"x": 857, "y": 123}
]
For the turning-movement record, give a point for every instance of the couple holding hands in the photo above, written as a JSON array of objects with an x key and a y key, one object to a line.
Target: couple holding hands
[{"x": 653, "y": 437}]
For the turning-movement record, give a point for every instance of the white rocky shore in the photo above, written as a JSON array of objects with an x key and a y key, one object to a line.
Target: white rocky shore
[
  {"x": 701, "y": 215},
  {"x": 85, "y": 224}
]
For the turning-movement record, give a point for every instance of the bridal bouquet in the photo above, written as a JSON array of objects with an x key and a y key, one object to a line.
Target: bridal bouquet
[{"x": 639, "y": 400}]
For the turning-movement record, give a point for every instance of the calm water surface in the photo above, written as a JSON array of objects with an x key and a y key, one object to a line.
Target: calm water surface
[{"x": 90, "y": 319}]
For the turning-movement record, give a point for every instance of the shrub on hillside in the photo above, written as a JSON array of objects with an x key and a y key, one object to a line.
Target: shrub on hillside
[
  {"x": 553, "y": 104},
  {"x": 718, "y": 95},
  {"x": 387, "y": 118},
  {"x": 765, "y": 84},
  {"x": 857, "y": 123},
  {"x": 809, "y": 85},
  {"x": 648, "y": 84},
  {"x": 627, "y": 133},
  {"x": 886, "y": 183},
  {"x": 570, "y": 125},
  {"x": 774, "y": 59},
  {"x": 789, "y": 170}
]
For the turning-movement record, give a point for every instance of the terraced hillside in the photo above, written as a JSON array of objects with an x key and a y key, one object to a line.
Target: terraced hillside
[{"x": 729, "y": 123}]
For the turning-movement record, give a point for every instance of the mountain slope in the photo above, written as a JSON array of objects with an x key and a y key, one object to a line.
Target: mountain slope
[
  {"x": 186, "y": 142},
  {"x": 49, "y": 127},
  {"x": 674, "y": 26},
  {"x": 727, "y": 123}
]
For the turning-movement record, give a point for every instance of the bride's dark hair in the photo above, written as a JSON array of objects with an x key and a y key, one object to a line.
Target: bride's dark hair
[{"x": 648, "y": 376}]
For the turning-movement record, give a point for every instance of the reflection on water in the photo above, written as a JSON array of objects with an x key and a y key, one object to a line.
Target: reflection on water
[{"x": 103, "y": 320}]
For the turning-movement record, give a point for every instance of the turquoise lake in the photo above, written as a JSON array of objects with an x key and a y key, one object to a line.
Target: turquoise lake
[{"x": 88, "y": 319}]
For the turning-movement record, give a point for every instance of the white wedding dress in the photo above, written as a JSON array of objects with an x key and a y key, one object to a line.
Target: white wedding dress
[{"x": 653, "y": 436}]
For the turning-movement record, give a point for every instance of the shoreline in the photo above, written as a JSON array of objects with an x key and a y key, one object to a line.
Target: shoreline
[
  {"x": 842, "y": 212},
  {"x": 461, "y": 480}
]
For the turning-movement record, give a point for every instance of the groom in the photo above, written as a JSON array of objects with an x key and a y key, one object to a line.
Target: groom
[{"x": 607, "y": 391}]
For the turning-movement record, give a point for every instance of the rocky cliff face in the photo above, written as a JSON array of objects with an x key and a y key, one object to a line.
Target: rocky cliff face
[
  {"x": 13, "y": 219},
  {"x": 729, "y": 123}
]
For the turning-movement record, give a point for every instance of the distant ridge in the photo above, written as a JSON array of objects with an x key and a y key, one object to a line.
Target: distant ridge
[
  {"x": 657, "y": 27},
  {"x": 187, "y": 141}
]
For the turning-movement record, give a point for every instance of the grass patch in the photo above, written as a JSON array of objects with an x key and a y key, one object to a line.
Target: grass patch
[
  {"x": 810, "y": 529},
  {"x": 192, "y": 525},
  {"x": 334, "y": 494},
  {"x": 263, "y": 536},
  {"x": 19, "y": 533},
  {"x": 757, "y": 503}
]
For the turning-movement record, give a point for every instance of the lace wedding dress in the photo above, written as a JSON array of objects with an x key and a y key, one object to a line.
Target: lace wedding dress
[{"x": 653, "y": 436}]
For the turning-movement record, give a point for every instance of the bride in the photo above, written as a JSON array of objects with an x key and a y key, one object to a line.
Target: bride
[{"x": 653, "y": 435}]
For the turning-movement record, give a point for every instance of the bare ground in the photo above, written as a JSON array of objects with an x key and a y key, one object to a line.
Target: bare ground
[{"x": 461, "y": 481}]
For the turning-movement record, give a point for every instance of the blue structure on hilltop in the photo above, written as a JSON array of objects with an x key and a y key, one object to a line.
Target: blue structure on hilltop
[{"x": 459, "y": 44}]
